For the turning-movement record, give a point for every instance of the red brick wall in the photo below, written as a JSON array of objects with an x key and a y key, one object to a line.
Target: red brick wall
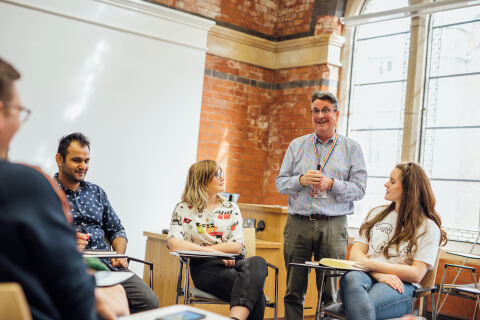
[
  {"x": 258, "y": 15},
  {"x": 234, "y": 123},
  {"x": 249, "y": 116},
  {"x": 328, "y": 25},
  {"x": 273, "y": 18},
  {"x": 293, "y": 17}
]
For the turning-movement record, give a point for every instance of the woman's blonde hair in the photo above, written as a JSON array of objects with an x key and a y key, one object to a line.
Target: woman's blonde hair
[
  {"x": 417, "y": 204},
  {"x": 199, "y": 176}
]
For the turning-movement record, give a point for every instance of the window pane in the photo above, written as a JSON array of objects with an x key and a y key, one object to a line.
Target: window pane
[
  {"x": 453, "y": 101},
  {"x": 455, "y": 16},
  {"x": 384, "y": 27},
  {"x": 382, "y": 5},
  {"x": 378, "y": 106},
  {"x": 451, "y": 152},
  {"x": 377, "y": 99},
  {"x": 456, "y": 49},
  {"x": 458, "y": 203},
  {"x": 381, "y": 150},
  {"x": 381, "y": 59},
  {"x": 451, "y": 123}
]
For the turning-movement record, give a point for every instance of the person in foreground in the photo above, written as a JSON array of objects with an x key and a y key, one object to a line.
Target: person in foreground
[
  {"x": 396, "y": 246},
  {"x": 205, "y": 221},
  {"x": 37, "y": 245}
]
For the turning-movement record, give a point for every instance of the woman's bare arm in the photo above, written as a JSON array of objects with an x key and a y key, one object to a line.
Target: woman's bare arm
[{"x": 175, "y": 244}]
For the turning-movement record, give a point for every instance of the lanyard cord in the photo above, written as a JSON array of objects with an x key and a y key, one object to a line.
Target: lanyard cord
[{"x": 327, "y": 157}]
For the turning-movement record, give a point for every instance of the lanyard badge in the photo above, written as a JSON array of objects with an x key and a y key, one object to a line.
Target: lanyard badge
[{"x": 316, "y": 193}]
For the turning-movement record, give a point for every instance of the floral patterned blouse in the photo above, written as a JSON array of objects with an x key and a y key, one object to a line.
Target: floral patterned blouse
[{"x": 224, "y": 224}]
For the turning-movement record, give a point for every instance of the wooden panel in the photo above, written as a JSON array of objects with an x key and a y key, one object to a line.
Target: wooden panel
[
  {"x": 165, "y": 269},
  {"x": 274, "y": 217},
  {"x": 249, "y": 241}
]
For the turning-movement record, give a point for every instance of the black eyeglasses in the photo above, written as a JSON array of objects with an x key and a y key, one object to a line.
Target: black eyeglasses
[
  {"x": 24, "y": 112},
  {"x": 324, "y": 111}
]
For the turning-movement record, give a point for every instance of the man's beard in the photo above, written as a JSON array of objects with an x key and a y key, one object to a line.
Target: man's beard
[
  {"x": 75, "y": 179},
  {"x": 78, "y": 179}
]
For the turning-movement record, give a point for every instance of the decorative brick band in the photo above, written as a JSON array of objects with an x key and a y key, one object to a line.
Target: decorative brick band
[{"x": 271, "y": 86}]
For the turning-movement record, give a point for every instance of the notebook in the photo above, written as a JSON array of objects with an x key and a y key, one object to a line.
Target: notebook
[
  {"x": 206, "y": 254},
  {"x": 336, "y": 263}
]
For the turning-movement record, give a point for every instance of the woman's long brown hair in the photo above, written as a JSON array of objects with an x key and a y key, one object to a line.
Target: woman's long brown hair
[{"x": 417, "y": 205}]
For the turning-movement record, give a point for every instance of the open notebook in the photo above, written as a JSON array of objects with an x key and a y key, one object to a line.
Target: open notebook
[{"x": 336, "y": 263}]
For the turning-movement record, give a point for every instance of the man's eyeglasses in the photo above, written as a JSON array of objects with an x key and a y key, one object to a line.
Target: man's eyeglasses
[
  {"x": 324, "y": 111},
  {"x": 219, "y": 175},
  {"x": 24, "y": 112}
]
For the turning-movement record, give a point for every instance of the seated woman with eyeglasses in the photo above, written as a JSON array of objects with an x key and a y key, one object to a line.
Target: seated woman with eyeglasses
[
  {"x": 205, "y": 221},
  {"x": 396, "y": 246}
]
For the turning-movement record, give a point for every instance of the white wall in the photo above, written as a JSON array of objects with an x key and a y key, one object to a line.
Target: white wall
[{"x": 129, "y": 75}]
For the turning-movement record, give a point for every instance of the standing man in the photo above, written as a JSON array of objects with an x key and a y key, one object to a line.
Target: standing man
[
  {"x": 37, "y": 244},
  {"x": 322, "y": 173},
  {"x": 94, "y": 218}
]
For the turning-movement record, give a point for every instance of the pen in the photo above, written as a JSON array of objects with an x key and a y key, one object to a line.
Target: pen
[{"x": 82, "y": 231}]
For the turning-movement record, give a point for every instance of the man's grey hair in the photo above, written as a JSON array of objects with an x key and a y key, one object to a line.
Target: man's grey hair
[{"x": 325, "y": 95}]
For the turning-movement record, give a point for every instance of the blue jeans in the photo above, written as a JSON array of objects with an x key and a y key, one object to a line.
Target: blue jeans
[{"x": 365, "y": 298}]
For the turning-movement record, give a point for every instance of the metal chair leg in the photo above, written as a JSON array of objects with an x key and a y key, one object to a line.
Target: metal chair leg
[
  {"x": 179, "y": 282},
  {"x": 320, "y": 313},
  {"x": 186, "y": 294},
  {"x": 477, "y": 306},
  {"x": 434, "y": 310}
]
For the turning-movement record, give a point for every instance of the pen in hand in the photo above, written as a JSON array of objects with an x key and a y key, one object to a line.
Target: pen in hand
[{"x": 83, "y": 239}]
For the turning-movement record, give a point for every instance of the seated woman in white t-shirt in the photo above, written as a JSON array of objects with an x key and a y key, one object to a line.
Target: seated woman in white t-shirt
[
  {"x": 396, "y": 246},
  {"x": 205, "y": 221}
]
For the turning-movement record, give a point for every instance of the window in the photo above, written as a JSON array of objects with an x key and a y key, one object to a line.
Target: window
[
  {"x": 449, "y": 148},
  {"x": 451, "y": 123},
  {"x": 379, "y": 73}
]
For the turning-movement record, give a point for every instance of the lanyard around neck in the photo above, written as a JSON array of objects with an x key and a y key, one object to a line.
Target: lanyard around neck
[{"x": 317, "y": 156}]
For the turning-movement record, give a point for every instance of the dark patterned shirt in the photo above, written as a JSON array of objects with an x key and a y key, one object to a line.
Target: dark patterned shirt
[{"x": 93, "y": 214}]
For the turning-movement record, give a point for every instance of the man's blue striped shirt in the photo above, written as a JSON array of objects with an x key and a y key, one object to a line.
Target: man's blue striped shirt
[{"x": 346, "y": 166}]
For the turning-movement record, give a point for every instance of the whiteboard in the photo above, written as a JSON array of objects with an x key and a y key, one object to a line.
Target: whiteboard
[{"x": 129, "y": 75}]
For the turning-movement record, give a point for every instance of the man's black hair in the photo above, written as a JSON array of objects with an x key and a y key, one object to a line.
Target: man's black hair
[{"x": 65, "y": 142}]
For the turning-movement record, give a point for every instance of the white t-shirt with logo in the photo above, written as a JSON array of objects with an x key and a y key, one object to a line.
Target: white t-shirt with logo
[{"x": 382, "y": 232}]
